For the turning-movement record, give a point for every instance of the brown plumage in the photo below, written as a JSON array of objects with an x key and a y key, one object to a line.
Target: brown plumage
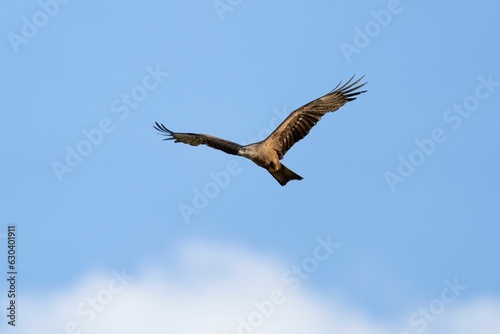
[{"x": 268, "y": 152}]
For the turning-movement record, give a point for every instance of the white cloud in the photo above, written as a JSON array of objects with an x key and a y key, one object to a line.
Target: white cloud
[
  {"x": 219, "y": 290},
  {"x": 480, "y": 316}
]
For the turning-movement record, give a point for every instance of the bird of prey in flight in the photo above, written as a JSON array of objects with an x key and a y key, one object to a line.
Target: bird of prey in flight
[{"x": 268, "y": 152}]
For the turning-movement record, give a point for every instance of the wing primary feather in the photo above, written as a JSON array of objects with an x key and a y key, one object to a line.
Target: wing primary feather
[
  {"x": 298, "y": 124},
  {"x": 166, "y": 132}
]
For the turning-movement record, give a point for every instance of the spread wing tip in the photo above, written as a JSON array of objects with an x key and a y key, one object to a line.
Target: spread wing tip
[
  {"x": 165, "y": 132},
  {"x": 350, "y": 88}
]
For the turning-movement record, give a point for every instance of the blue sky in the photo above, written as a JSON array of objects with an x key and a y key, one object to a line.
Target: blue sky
[{"x": 405, "y": 179}]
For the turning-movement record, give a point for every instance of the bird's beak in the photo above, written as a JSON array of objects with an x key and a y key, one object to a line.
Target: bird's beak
[{"x": 240, "y": 151}]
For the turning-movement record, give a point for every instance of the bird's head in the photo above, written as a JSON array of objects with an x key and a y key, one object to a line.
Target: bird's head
[{"x": 247, "y": 151}]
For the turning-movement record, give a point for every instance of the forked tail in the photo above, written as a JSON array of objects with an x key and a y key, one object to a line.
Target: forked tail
[{"x": 283, "y": 175}]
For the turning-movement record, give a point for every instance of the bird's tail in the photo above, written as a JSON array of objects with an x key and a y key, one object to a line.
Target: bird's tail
[{"x": 283, "y": 175}]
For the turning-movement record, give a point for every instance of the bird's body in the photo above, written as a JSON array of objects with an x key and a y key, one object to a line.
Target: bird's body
[
  {"x": 268, "y": 152},
  {"x": 264, "y": 155}
]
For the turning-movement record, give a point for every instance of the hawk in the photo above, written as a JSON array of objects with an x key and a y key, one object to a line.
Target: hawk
[{"x": 268, "y": 152}]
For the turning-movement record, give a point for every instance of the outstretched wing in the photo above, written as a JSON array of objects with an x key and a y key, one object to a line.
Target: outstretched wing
[
  {"x": 298, "y": 124},
  {"x": 196, "y": 139}
]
